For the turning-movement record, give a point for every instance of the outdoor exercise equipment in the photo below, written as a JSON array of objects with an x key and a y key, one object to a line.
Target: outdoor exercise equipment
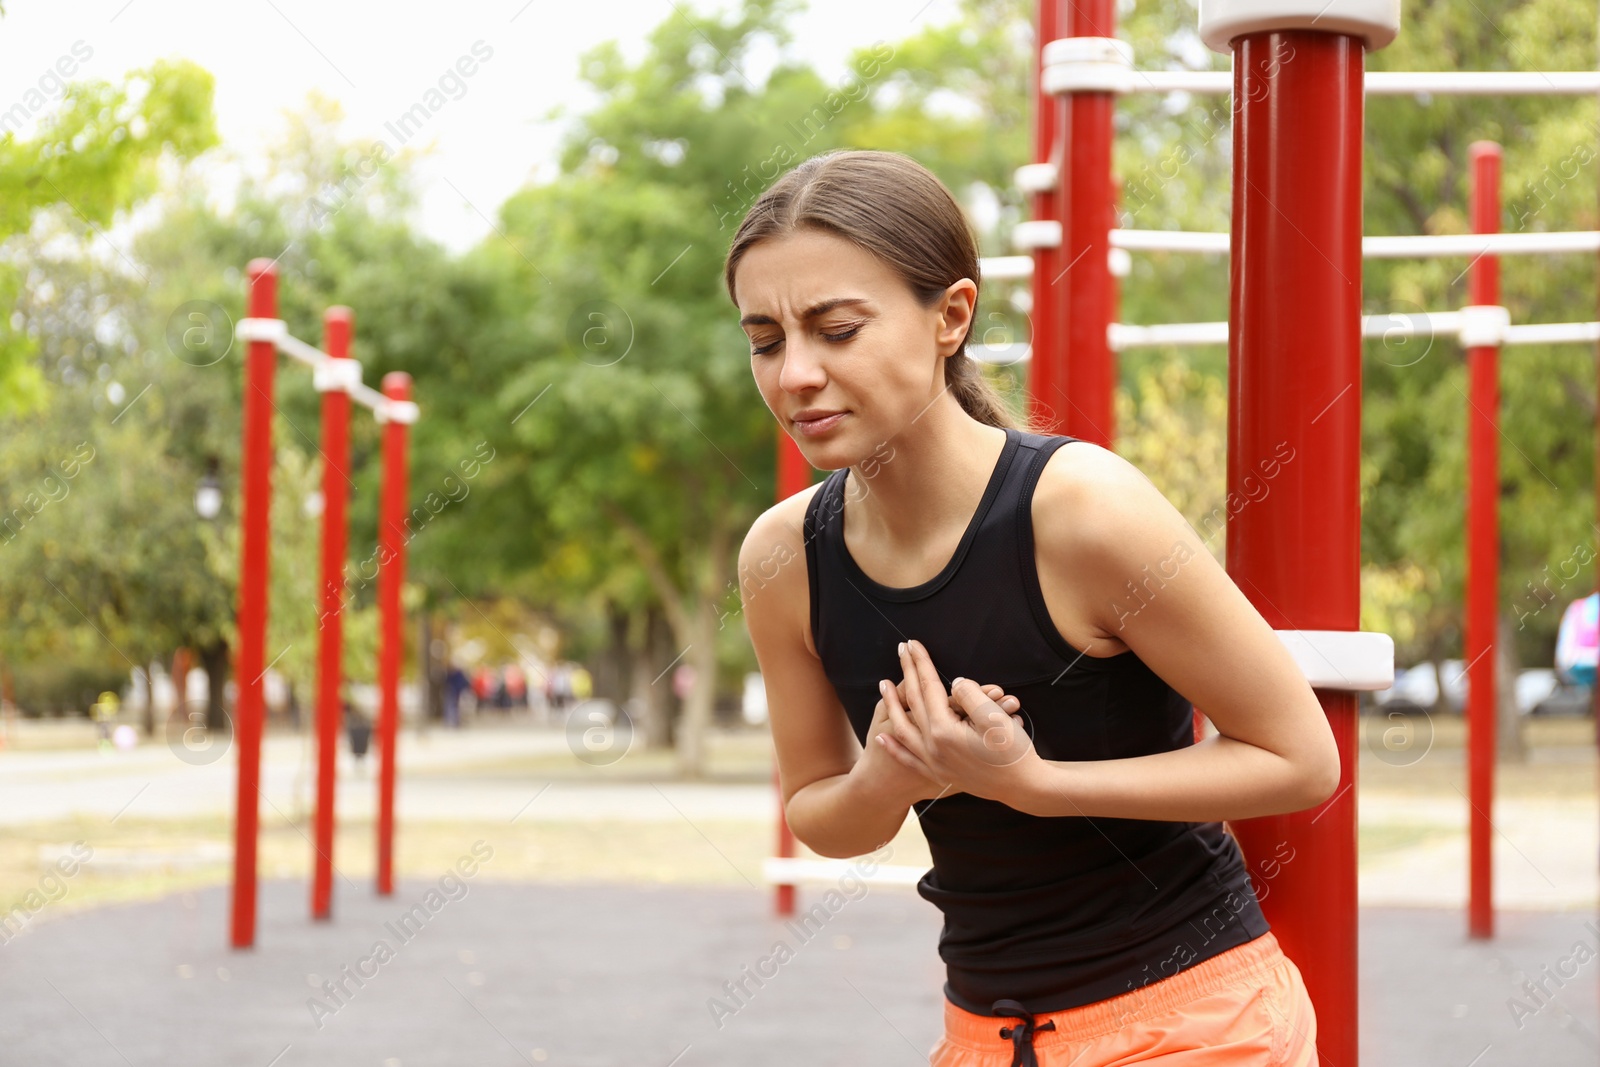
[
  {"x": 1294, "y": 337},
  {"x": 338, "y": 378}
]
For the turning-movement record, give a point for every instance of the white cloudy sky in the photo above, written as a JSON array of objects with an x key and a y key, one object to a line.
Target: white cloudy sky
[{"x": 377, "y": 59}]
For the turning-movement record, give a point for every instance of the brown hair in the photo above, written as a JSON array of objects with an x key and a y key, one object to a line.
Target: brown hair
[{"x": 895, "y": 208}]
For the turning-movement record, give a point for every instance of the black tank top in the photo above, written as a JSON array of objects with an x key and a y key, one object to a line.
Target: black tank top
[{"x": 1052, "y": 912}]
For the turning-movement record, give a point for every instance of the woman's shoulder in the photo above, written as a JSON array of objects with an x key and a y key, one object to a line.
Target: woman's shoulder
[
  {"x": 773, "y": 576},
  {"x": 1091, "y": 506}
]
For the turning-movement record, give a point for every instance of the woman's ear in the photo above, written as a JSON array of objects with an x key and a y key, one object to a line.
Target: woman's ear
[{"x": 956, "y": 310}]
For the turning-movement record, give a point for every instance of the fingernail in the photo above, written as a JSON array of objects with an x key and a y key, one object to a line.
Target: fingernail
[
  {"x": 954, "y": 682},
  {"x": 902, "y": 648},
  {"x": 883, "y": 687}
]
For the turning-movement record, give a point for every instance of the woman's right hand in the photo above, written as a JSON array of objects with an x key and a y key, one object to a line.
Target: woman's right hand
[{"x": 885, "y": 772}]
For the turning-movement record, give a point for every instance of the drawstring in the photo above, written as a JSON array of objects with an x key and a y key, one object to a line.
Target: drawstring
[{"x": 1021, "y": 1035}]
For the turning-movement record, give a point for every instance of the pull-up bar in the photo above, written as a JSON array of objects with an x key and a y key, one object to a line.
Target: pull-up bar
[
  {"x": 1474, "y": 325},
  {"x": 338, "y": 378},
  {"x": 1047, "y": 234},
  {"x": 346, "y": 377}
]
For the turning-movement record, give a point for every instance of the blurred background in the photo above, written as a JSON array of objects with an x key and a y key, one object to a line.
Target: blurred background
[{"x": 527, "y": 206}]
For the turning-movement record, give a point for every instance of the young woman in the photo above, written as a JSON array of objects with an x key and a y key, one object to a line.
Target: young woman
[{"x": 1004, "y": 635}]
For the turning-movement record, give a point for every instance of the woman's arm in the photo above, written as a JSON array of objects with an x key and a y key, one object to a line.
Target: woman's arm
[
  {"x": 1154, "y": 586},
  {"x": 840, "y": 800},
  {"x": 831, "y": 801}
]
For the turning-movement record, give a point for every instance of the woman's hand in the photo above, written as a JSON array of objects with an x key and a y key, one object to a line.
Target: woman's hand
[
  {"x": 878, "y": 766},
  {"x": 962, "y": 740}
]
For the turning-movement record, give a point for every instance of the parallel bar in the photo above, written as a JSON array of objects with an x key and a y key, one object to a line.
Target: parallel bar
[
  {"x": 264, "y": 328},
  {"x": 255, "y": 459},
  {"x": 294, "y": 348},
  {"x": 1124, "y": 336},
  {"x": 1483, "y": 550},
  {"x": 391, "y": 576},
  {"x": 1553, "y": 333},
  {"x": 1170, "y": 241},
  {"x": 1432, "y": 246},
  {"x": 368, "y": 397},
  {"x": 1406, "y": 246},
  {"x": 1005, "y": 268},
  {"x": 336, "y": 325}
]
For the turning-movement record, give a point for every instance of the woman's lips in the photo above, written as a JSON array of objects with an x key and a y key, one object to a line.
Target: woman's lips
[{"x": 813, "y": 427}]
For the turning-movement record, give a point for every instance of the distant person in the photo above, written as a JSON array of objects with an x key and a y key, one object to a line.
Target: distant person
[
  {"x": 516, "y": 684},
  {"x": 1578, "y": 640},
  {"x": 358, "y": 730},
  {"x": 563, "y": 685},
  {"x": 502, "y": 695},
  {"x": 483, "y": 686},
  {"x": 456, "y": 683}
]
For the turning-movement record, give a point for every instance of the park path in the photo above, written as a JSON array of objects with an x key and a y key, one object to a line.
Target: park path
[{"x": 1547, "y": 850}]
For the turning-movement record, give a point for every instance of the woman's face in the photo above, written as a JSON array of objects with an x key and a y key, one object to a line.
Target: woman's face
[{"x": 833, "y": 329}]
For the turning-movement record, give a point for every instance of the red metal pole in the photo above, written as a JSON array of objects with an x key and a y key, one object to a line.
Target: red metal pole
[
  {"x": 794, "y": 474},
  {"x": 336, "y": 327},
  {"x": 1294, "y": 383},
  {"x": 1483, "y": 546},
  {"x": 391, "y": 574},
  {"x": 261, "y": 360},
  {"x": 1086, "y": 245},
  {"x": 1046, "y": 377}
]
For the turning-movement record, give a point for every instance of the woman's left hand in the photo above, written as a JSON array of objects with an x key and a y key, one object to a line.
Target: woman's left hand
[{"x": 987, "y": 753}]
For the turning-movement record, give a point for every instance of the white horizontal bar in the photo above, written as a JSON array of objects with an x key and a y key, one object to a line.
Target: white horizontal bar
[
  {"x": 401, "y": 411},
  {"x": 1393, "y": 83},
  {"x": 294, "y": 348},
  {"x": 1037, "y": 177},
  {"x": 1122, "y": 336},
  {"x": 1036, "y": 233},
  {"x": 260, "y": 329},
  {"x": 368, "y": 397},
  {"x": 1411, "y": 324},
  {"x": 1170, "y": 241},
  {"x": 1484, "y": 82},
  {"x": 1001, "y": 268},
  {"x": 1432, "y": 246},
  {"x": 1342, "y": 659},
  {"x": 794, "y": 870},
  {"x": 1199, "y": 82},
  {"x": 336, "y": 375},
  {"x": 1552, "y": 333},
  {"x": 276, "y": 331},
  {"x": 1419, "y": 246}
]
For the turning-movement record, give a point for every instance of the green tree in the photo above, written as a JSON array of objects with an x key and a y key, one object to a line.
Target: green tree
[{"x": 97, "y": 154}]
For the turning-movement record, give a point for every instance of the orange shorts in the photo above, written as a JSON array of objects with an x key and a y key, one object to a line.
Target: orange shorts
[{"x": 1245, "y": 1006}]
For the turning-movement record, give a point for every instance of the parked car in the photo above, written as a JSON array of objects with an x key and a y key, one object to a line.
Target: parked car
[
  {"x": 1567, "y": 698},
  {"x": 1534, "y": 686},
  {"x": 1415, "y": 691},
  {"x": 1453, "y": 680}
]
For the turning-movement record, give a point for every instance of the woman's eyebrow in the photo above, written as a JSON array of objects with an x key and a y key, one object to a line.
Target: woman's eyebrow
[{"x": 810, "y": 313}]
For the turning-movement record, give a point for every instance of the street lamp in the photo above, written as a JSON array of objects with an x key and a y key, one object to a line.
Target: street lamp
[{"x": 208, "y": 497}]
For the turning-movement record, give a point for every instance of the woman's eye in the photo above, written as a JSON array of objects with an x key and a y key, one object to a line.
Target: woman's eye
[{"x": 761, "y": 350}]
